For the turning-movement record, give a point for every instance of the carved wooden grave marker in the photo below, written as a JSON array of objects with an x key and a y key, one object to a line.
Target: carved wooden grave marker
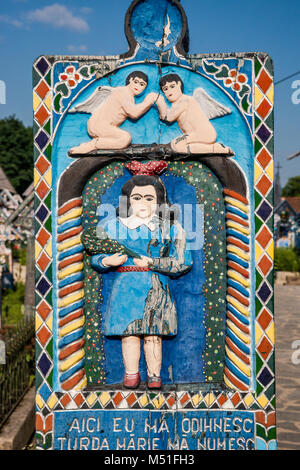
[{"x": 154, "y": 247}]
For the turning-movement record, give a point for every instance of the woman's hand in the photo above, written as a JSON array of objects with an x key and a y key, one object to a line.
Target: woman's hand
[
  {"x": 143, "y": 262},
  {"x": 114, "y": 260}
]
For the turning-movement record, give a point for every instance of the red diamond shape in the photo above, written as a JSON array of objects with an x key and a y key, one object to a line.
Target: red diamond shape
[
  {"x": 43, "y": 310},
  {"x": 118, "y": 398},
  {"x": 65, "y": 400},
  {"x": 43, "y": 237},
  {"x": 264, "y": 319},
  {"x": 184, "y": 399},
  {"x": 43, "y": 335},
  {"x": 264, "y": 237},
  {"x": 235, "y": 399},
  {"x": 265, "y": 348},
  {"x": 171, "y": 400},
  {"x": 264, "y": 81},
  {"x": 42, "y": 164},
  {"x": 222, "y": 399},
  {"x": 131, "y": 399},
  {"x": 265, "y": 265},
  {"x": 79, "y": 399},
  {"x": 41, "y": 115},
  {"x": 264, "y": 158},
  {"x": 42, "y": 89},
  {"x": 263, "y": 109},
  {"x": 43, "y": 261},
  {"x": 42, "y": 189},
  {"x": 264, "y": 185}
]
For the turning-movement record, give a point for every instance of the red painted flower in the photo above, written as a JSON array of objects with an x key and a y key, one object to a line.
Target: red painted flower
[{"x": 70, "y": 76}]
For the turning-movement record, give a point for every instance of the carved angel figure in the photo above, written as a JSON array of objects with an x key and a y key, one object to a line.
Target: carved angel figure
[
  {"x": 193, "y": 114},
  {"x": 109, "y": 108}
]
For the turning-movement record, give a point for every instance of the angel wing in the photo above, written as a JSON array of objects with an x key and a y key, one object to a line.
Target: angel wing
[
  {"x": 94, "y": 101},
  {"x": 211, "y": 108}
]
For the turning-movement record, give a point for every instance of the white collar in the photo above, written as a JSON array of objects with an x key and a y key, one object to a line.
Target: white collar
[{"x": 134, "y": 222}]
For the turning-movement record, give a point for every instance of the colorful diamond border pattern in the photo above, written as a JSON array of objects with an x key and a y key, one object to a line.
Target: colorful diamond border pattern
[{"x": 262, "y": 402}]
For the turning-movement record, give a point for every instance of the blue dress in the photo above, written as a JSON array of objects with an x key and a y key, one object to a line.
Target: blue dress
[{"x": 140, "y": 302}]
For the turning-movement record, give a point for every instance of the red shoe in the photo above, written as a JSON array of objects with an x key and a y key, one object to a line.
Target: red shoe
[
  {"x": 131, "y": 380},
  {"x": 154, "y": 382}
]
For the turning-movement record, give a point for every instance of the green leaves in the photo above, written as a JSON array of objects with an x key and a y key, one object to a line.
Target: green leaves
[{"x": 16, "y": 152}]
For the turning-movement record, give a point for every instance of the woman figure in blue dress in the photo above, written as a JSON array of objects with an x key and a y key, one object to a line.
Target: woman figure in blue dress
[{"x": 140, "y": 303}]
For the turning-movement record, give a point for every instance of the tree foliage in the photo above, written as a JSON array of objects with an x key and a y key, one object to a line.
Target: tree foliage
[
  {"x": 292, "y": 187},
  {"x": 287, "y": 259},
  {"x": 16, "y": 152}
]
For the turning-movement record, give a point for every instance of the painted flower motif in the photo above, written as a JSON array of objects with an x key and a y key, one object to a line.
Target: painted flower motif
[
  {"x": 235, "y": 80},
  {"x": 70, "y": 76}
]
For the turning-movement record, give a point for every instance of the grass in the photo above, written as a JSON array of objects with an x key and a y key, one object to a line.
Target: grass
[{"x": 13, "y": 305}]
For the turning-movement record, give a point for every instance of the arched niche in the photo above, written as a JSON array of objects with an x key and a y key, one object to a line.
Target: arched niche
[{"x": 227, "y": 364}]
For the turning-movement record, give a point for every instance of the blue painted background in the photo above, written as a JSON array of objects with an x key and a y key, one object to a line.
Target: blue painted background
[
  {"x": 232, "y": 131},
  {"x": 188, "y": 345},
  {"x": 213, "y": 430}
]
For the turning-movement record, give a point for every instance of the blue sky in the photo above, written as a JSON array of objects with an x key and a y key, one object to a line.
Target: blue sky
[{"x": 29, "y": 28}]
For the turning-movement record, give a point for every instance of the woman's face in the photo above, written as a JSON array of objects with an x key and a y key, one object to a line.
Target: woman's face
[{"x": 143, "y": 201}]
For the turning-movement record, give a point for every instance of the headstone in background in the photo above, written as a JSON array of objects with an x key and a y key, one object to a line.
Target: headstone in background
[{"x": 159, "y": 126}]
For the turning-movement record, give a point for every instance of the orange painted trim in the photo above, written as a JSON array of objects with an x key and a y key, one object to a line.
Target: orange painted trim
[
  {"x": 66, "y": 352},
  {"x": 71, "y": 317},
  {"x": 70, "y": 383},
  {"x": 238, "y": 268},
  {"x": 237, "y": 219},
  {"x": 69, "y": 234},
  {"x": 234, "y": 380},
  {"x": 70, "y": 205},
  {"x": 237, "y": 323},
  {"x": 239, "y": 353},
  {"x": 69, "y": 289},
  {"x": 238, "y": 243},
  {"x": 233, "y": 194},
  {"x": 71, "y": 260},
  {"x": 238, "y": 296}
]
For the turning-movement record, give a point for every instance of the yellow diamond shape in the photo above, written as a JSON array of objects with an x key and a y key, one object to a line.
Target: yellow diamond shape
[
  {"x": 258, "y": 251},
  {"x": 49, "y": 322},
  {"x": 197, "y": 399},
  {"x": 144, "y": 400},
  {"x": 38, "y": 322},
  {"x": 104, "y": 398},
  {"x": 257, "y": 171},
  {"x": 271, "y": 333},
  {"x": 270, "y": 94},
  {"x": 257, "y": 96},
  {"x": 52, "y": 401},
  {"x": 39, "y": 401},
  {"x": 262, "y": 400},
  {"x": 270, "y": 250},
  {"x": 270, "y": 170},
  {"x": 36, "y": 101},
  {"x": 258, "y": 333},
  {"x": 209, "y": 399},
  {"x": 91, "y": 398},
  {"x": 158, "y": 401},
  {"x": 248, "y": 400},
  {"x": 48, "y": 101},
  {"x": 38, "y": 250}
]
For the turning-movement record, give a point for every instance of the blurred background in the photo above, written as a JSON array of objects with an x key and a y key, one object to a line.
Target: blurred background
[{"x": 29, "y": 28}]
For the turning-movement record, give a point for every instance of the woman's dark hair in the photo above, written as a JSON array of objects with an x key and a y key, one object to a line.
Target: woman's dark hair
[
  {"x": 139, "y": 74},
  {"x": 164, "y": 206},
  {"x": 171, "y": 77}
]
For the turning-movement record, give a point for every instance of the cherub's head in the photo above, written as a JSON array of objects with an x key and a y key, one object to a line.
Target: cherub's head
[
  {"x": 172, "y": 86},
  {"x": 137, "y": 81}
]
